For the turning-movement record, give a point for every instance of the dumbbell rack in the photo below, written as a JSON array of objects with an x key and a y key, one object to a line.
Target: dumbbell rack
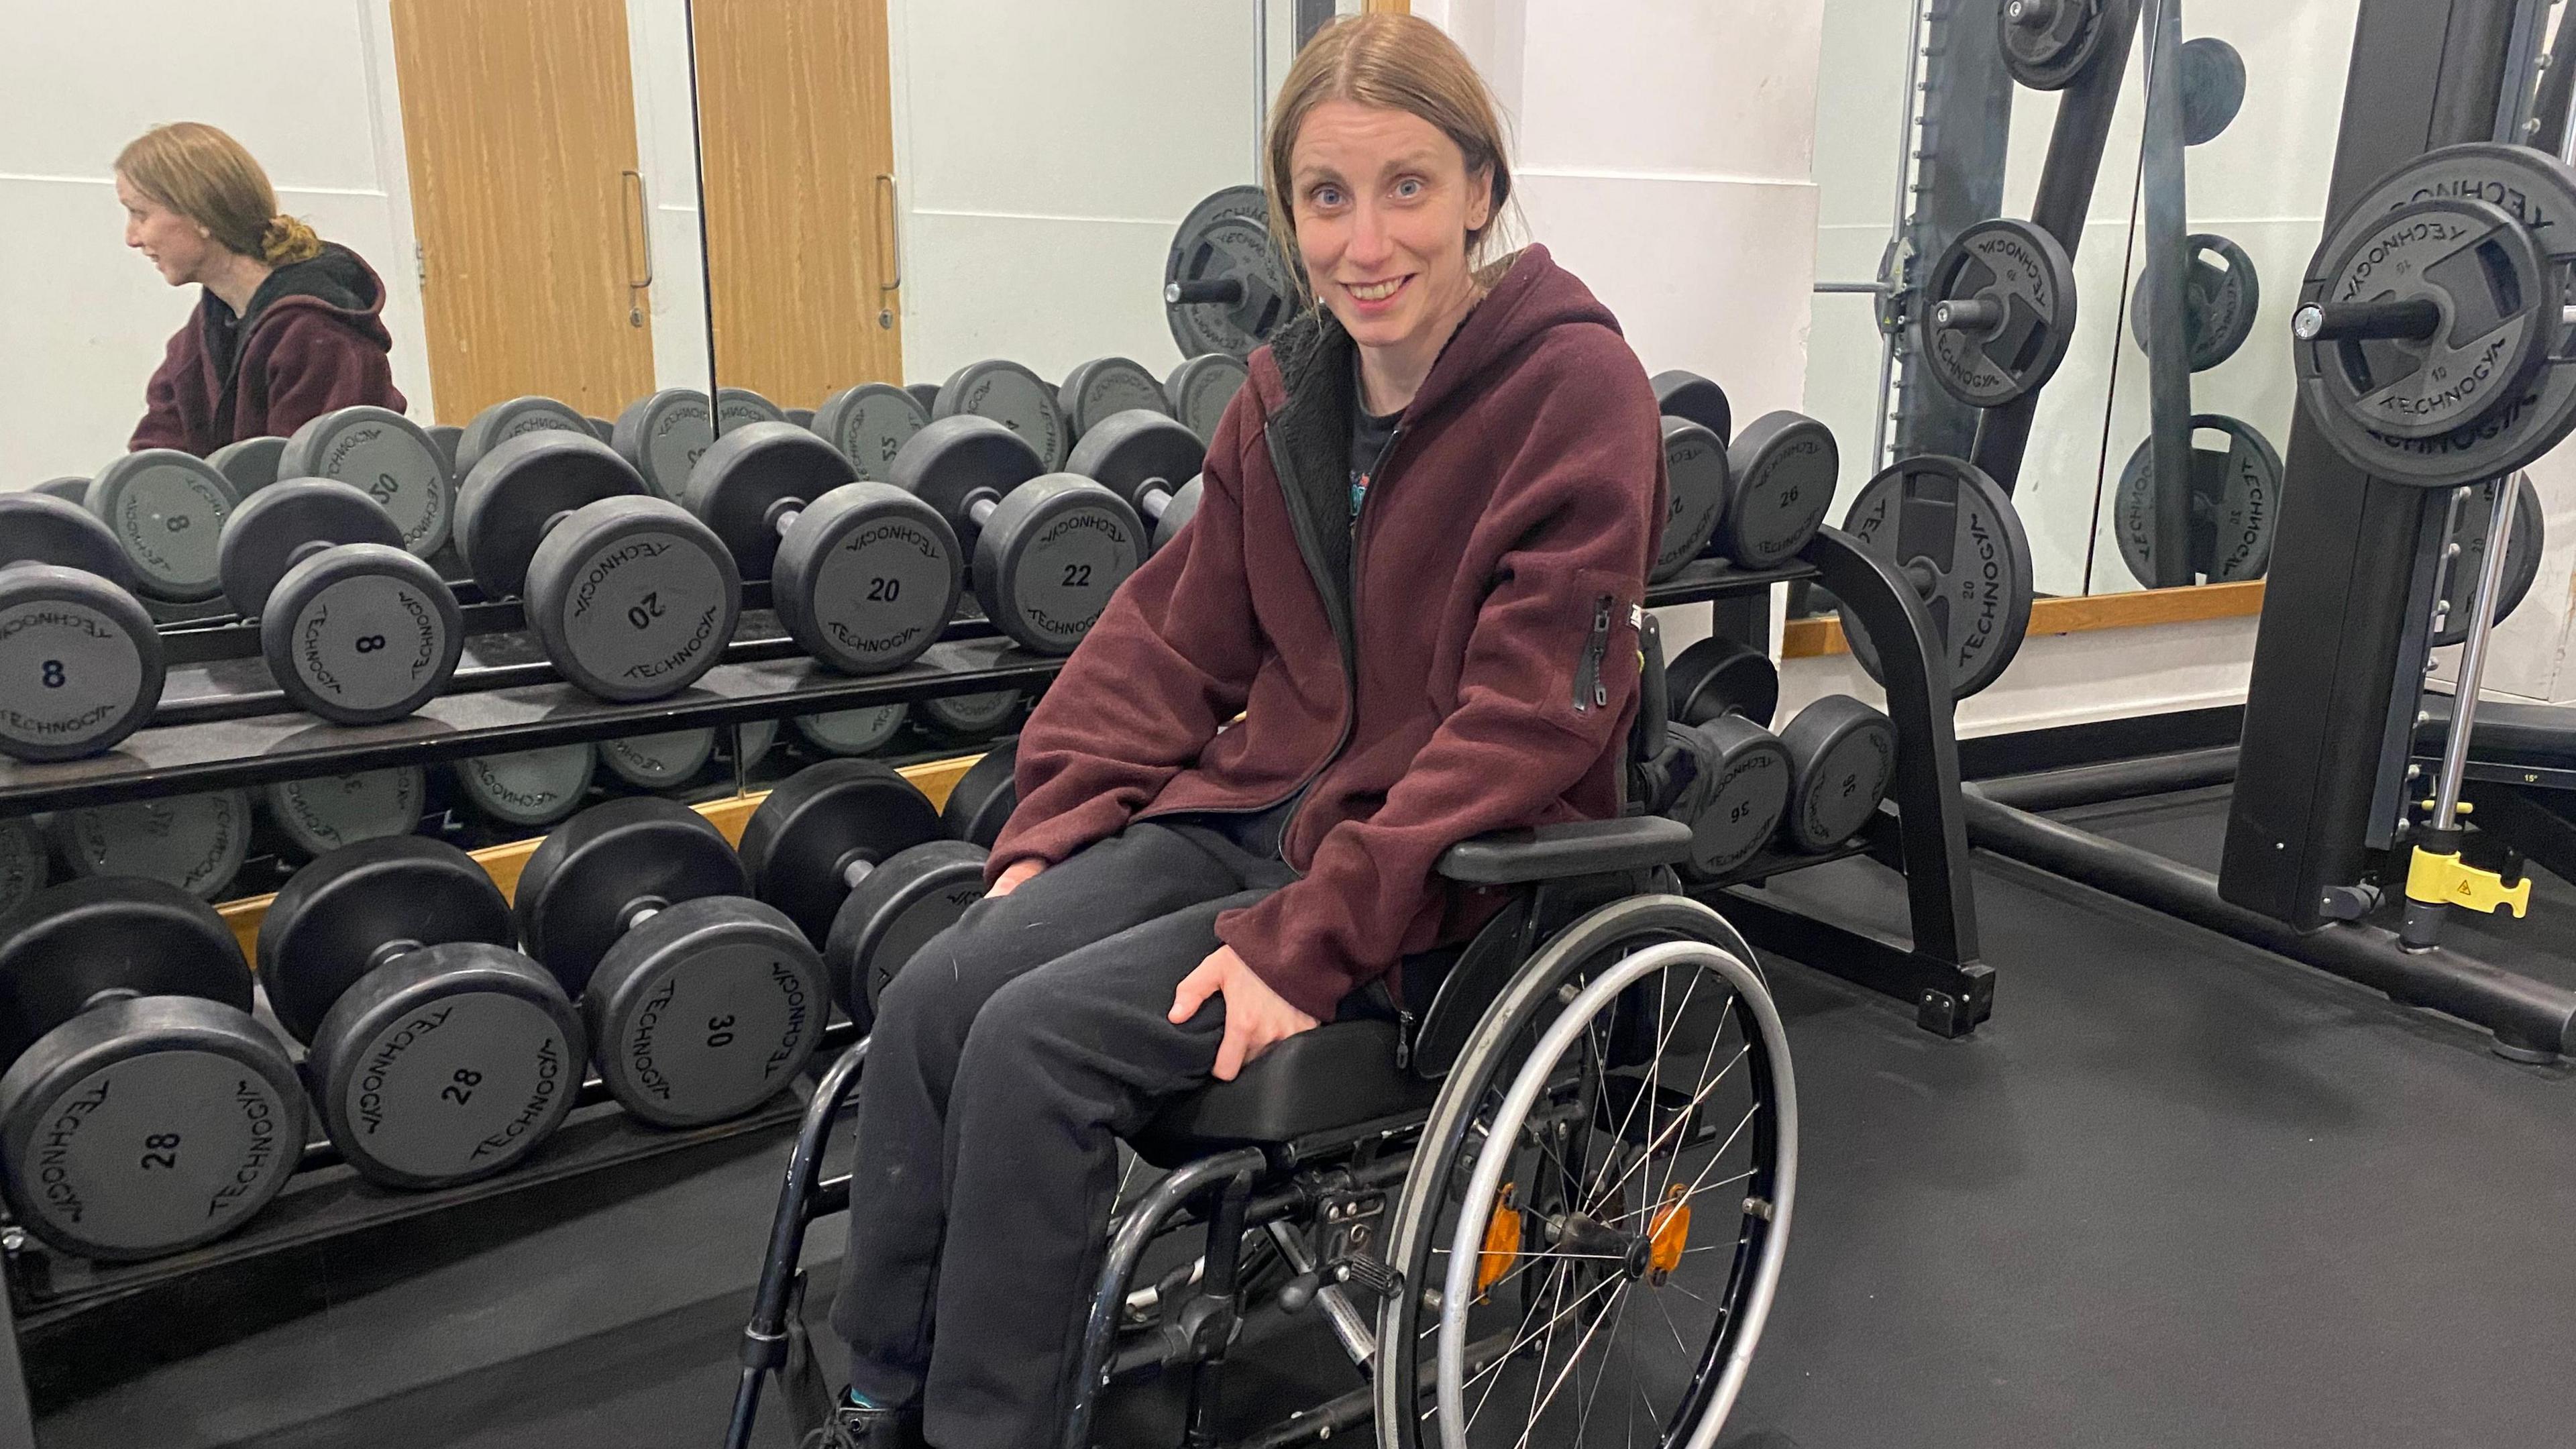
[{"x": 222, "y": 727}]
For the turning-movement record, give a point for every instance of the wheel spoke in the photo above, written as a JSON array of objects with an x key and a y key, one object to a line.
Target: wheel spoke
[
  {"x": 1539, "y": 1405},
  {"x": 1682, "y": 1117},
  {"x": 1693, "y": 1191}
]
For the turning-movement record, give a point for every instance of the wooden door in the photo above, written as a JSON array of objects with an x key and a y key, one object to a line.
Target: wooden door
[
  {"x": 796, "y": 133},
  {"x": 519, "y": 121}
]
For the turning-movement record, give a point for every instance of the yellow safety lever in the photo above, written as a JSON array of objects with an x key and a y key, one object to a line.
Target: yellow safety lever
[{"x": 2447, "y": 880}]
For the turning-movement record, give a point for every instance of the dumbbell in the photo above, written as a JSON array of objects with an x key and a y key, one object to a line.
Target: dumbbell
[
  {"x": 251, "y": 463},
  {"x": 1737, "y": 785},
  {"x": 1149, "y": 458},
  {"x": 70, "y": 488},
  {"x": 1014, "y": 397},
  {"x": 966, "y": 718},
  {"x": 1048, "y": 548},
  {"x": 659, "y": 762},
  {"x": 1782, "y": 470},
  {"x": 445, "y": 437},
  {"x": 167, "y": 510},
  {"x": 23, "y": 869},
  {"x": 739, "y": 406},
  {"x": 801, "y": 417},
  {"x": 354, "y": 628},
  {"x": 437, "y": 1053},
  {"x": 1687, "y": 395},
  {"x": 632, "y": 597},
  {"x": 196, "y": 843},
  {"x": 528, "y": 788},
  {"x": 1842, "y": 756},
  {"x": 601, "y": 428},
  {"x": 924, "y": 393},
  {"x": 1103, "y": 388},
  {"x": 389, "y": 458},
  {"x": 861, "y": 731},
  {"x": 1202, "y": 388},
  {"x": 864, "y": 575},
  {"x": 517, "y": 417},
  {"x": 701, "y": 1003},
  {"x": 663, "y": 435},
  {"x": 981, "y": 801},
  {"x": 81, "y": 663},
  {"x": 321, "y": 815},
  {"x": 854, "y": 854},
  {"x": 869, "y": 424},
  {"x": 143, "y": 1110}
]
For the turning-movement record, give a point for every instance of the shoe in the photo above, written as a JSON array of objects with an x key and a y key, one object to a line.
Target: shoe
[{"x": 864, "y": 1426}]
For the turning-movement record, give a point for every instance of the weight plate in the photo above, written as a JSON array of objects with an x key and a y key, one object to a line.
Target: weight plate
[
  {"x": 2475, "y": 263},
  {"x": 71, "y": 488},
  {"x": 167, "y": 510},
  {"x": 1142, "y": 455},
  {"x": 861, "y": 731},
  {"x": 1746, "y": 770},
  {"x": 68, "y": 946},
  {"x": 982, "y": 800},
  {"x": 870, "y": 423},
  {"x": 505, "y": 506},
  {"x": 1718, "y": 676},
  {"x": 739, "y": 406},
  {"x": 2221, "y": 298},
  {"x": 81, "y": 664},
  {"x": 1947, "y": 529},
  {"x": 37, "y": 528},
  {"x": 516, "y": 418},
  {"x": 1013, "y": 396},
  {"x": 867, "y": 579},
  {"x": 585, "y": 883},
  {"x": 706, "y": 1010},
  {"x": 22, "y": 863},
  {"x": 529, "y": 787},
  {"x": 1226, "y": 238},
  {"x": 336, "y": 918},
  {"x": 1680, "y": 394},
  {"x": 822, "y": 823},
  {"x": 269, "y": 532},
  {"x": 2521, "y": 555},
  {"x": 1178, "y": 513},
  {"x": 658, "y": 762},
  {"x": 2048, "y": 44},
  {"x": 1202, "y": 388},
  {"x": 362, "y": 633},
  {"x": 251, "y": 463},
  {"x": 888, "y": 917},
  {"x": 663, "y": 434},
  {"x": 1998, "y": 312},
  {"x": 1697, "y": 485},
  {"x": 323, "y": 814},
  {"x": 1784, "y": 467},
  {"x": 387, "y": 457},
  {"x": 2213, "y": 88},
  {"x": 445, "y": 436},
  {"x": 1106, "y": 386},
  {"x": 972, "y": 716},
  {"x": 749, "y": 479},
  {"x": 1049, "y": 557},
  {"x": 633, "y": 598},
  {"x": 194, "y": 842},
  {"x": 2235, "y": 504},
  {"x": 1842, "y": 757}
]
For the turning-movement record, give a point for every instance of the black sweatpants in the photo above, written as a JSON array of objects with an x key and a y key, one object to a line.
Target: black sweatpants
[{"x": 1008, "y": 1058}]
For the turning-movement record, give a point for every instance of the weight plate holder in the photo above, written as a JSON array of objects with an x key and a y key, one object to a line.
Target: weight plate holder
[
  {"x": 1016, "y": 398},
  {"x": 1680, "y": 394},
  {"x": 2235, "y": 504},
  {"x": 632, "y": 597},
  {"x": 1947, "y": 529},
  {"x": 870, "y": 423},
  {"x": 2221, "y": 298},
  {"x": 321, "y": 814},
  {"x": 194, "y": 842},
  {"x": 81, "y": 663},
  {"x": 503, "y": 421},
  {"x": 2430, "y": 337},
  {"x": 1146, "y": 457},
  {"x": 354, "y": 627},
  {"x": 1202, "y": 388},
  {"x": 861, "y": 731},
  {"x": 167, "y": 510},
  {"x": 663, "y": 434},
  {"x": 981, "y": 801},
  {"x": 251, "y": 463},
  {"x": 1105, "y": 387},
  {"x": 1843, "y": 758},
  {"x": 1783, "y": 466},
  {"x": 739, "y": 406},
  {"x": 1998, "y": 313},
  {"x": 527, "y": 788},
  {"x": 854, "y": 854},
  {"x": 865, "y": 575},
  {"x": 2521, "y": 555},
  {"x": 2049, "y": 44},
  {"x": 387, "y": 457},
  {"x": 437, "y": 1053},
  {"x": 659, "y": 762},
  {"x": 1697, "y": 483},
  {"x": 1226, "y": 287},
  {"x": 143, "y": 1110},
  {"x": 700, "y": 1002}
]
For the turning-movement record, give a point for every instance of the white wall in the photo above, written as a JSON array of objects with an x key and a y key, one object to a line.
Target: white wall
[{"x": 666, "y": 147}]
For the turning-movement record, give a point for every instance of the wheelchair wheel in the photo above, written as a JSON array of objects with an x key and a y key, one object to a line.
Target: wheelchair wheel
[{"x": 1593, "y": 1225}]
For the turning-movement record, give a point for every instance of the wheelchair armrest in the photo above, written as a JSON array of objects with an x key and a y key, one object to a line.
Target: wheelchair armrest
[{"x": 1555, "y": 852}]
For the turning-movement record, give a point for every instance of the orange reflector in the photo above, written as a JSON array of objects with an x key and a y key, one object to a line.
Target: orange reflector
[
  {"x": 1670, "y": 1234},
  {"x": 1502, "y": 1243}
]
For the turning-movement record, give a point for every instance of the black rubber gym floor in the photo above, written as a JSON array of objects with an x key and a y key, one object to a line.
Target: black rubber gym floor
[{"x": 2177, "y": 1192}]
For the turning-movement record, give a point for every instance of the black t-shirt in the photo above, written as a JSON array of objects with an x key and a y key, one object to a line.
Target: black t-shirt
[{"x": 1370, "y": 434}]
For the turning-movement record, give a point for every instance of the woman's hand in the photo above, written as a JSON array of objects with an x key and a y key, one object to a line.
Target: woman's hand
[
  {"x": 1018, "y": 873},
  {"x": 1256, "y": 1017}
]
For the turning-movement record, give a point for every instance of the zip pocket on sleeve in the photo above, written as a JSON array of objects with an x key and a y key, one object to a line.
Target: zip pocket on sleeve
[{"x": 1590, "y": 690}]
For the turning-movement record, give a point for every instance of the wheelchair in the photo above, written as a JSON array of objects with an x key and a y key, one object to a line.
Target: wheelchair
[{"x": 1549, "y": 1202}]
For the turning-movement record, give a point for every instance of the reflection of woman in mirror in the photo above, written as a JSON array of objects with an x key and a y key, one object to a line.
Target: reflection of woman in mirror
[
  {"x": 289, "y": 327},
  {"x": 1416, "y": 572}
]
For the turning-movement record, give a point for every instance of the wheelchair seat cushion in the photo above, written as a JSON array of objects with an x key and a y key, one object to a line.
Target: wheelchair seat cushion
[{"x": 1338, "y": 1075}]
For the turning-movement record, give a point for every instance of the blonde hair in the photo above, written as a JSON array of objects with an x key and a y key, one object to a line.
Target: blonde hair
[
  {"x": 208, "y": 177},
  {"x": 1402, "y": 63}
]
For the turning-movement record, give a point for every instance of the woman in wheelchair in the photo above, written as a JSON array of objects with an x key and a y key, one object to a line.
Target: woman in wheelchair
[{"x": 1416, "y": 576}]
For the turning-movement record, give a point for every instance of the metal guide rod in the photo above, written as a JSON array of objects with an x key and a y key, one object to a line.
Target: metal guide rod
[
  {"x": 2473, "y": 654},
  {"x": 2168, "y": 356}
]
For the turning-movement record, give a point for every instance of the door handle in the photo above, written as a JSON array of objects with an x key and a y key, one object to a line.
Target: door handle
[
  {"x": 640, "y": 239},
  {"x": 891, "y": 220}
]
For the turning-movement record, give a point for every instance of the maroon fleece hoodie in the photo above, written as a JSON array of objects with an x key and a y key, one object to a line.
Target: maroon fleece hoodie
[
  {"x": 312, "y": 340},
  {"x": 1465, "y": 660}
]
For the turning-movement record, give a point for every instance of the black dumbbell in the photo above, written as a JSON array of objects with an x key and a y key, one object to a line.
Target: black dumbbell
[
  {"x": 739, "y": 406},
  {"x": 143, "y": 1110},
  {"x": 1720, "y": 698},
  {"x": 196, "y": 843},
  {"x": 864, "y": 575},
  {"x": 81, "y": 663},
  {"x": 801, "y": 417},
  {"x": 1104, "y": 387},
  {"x": 437, "y": 1053},
  {"x": 1782, "y": 469},
  {"x": 861, "y": 731},
  {"x": 528, "y": 788},
  {"x": 515, "y": 418},
  {"x": 924, "y": 393},
  {"x": 855, "y": 856},
  {"x": 1049, "y": 548},
  {"x": 389, "y": 458},
  {"x": 445, "y": 437},
  {"x": 659, "y": 762},
  {"x": 1842, "y": 758},
  {"x": 1014, "y": 397},
  {"x": 701, "y": 1002},
  {"x": 602, "y": 429},
  {"x": 869, "y": 424},
  {"x": 70, "y": 488},
  {"x": 1682, "y": 394},
  {"x": 320, "y": 815},
  {"x": 663, "y": 434},
  {"x": 968, "y": 718},
  {"x": 982, "y": 800},
  {"x": 1202, "y": 388},
  {"x": 250, "y": 462},
  {"x": 1149, "y": 458},
  {"x": 1718, "y": 676},
  {"x": 167, "y": 510},
  {"x": 354, "y": 627},
  {"x": 632, "y": 597}
]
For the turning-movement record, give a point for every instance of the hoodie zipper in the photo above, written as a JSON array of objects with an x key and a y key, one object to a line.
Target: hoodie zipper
[
  {"x": 1589, "y": 687},
  {"x": 1350, "y": 636}
]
